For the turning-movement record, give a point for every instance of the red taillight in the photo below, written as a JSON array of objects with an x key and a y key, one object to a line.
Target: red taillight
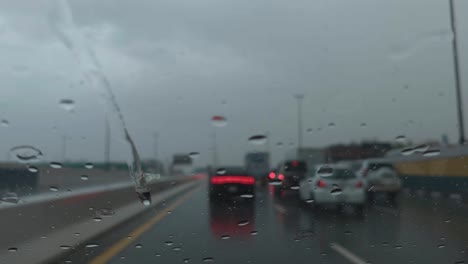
[
  {"x": 321, "y": 184},
  {"x": 295, "y": 163},
  {"x": 233, "y": 179},
  {"x": 272, "y": 175},
  {"x": 359, "y": 184},
  {"x": 281, "y": 177}
]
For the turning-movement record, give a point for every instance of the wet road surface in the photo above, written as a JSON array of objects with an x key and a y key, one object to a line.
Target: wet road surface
[{"x": 190, "y": 229}]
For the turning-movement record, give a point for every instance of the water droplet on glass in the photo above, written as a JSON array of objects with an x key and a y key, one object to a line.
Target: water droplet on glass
[
  {"x": 254, "y": 233},
  {"x": 55, "y": 165},
  {"x": 5, "y": 123},
  {"x": 105, "y": 212},
  {"x": 146, "y": 202},
  {"x": 309, "y": 130},
  {"x": 348, "y": 232},
  {"x": 336, "y": 191},
  {"x": 33, "y": 169},
  {"x": 138, "y": 246},
  {"x": 92, "y": 245},
  {"x": 9, "y": 197},
  {"x": 421, "y": 148},
  {"x": 84, "y": 177},
  {"x": 97, "y": 219},
  {"x": 122, "y": 257},
  {"x": 177, "y": 248},
  {"x": 26, "y": 153},
  {"x": 68, "y": 261},
  {"x": 224, "y": 237},
  {"x": 407, "y": 151},
  {"x": 431, "y": 153},
  {"x": 243, "y": 223},
  {"x": 384, "y": 243},
  {"x": 279, "y": 144},
  {"x": 169, "y": 243},
  {"x": 331, "y": 124},
  {"x": 400, "y": 139},
  {"x": 77, "y": 234},
  {"x": 441, "y": 246},
  {"x": 186, "y": 260},
  {"x": 13, "y": 249},
  {"x": 67, "y": 104},
  {"x": 53, "y": 188},
  {"x": 64, "y": 247},
  {"x": 258, "y": 139},
  {"x": 221, "y": 171},
  {"x": 89, "y": 165},
  {"x": 363, "y": 124},
  {"x": 295, "y": 187},
  {"x": 194, "y": 155},
  {"x": 325, "y": 171},
  {"x": 398, "y": 247},
  {"x": 275, "y": 183},
  {"x": 309, "y": 200},
  {"x": 247, "y": 196},
  {"x": 219, "y": 121},
  {"x": 208, "y": 259}
]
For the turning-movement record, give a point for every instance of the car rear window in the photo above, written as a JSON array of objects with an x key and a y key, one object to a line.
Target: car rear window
[
  {"x": 238, "y": 171},
  {"x": 342, "y": 174},
  {"x": 295, "y": 165},
  {"x": 377, "y": 166}
]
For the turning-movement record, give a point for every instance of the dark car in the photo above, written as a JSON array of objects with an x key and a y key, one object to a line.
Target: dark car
[
  {"x": 231, "y": 182},
  {"x": 290, "y": 173}
]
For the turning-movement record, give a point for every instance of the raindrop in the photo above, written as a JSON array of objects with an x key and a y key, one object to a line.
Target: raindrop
[
  {"x": 421, "y": 148},
  {"x": 407, "y": 151},
  {"x": 254, "y": 233},
  {"x": 9, "y": 197},
  {"x": 67, "y": 104},
  {"x": 68, "y": 261},
  {"x": 138, "y": 246},
  {"x": 105, "y": 212},
  {"x": 400, "y": 139},
  {"x": 363, "y": 124},
  {"x": 336, "y": 191},
  {"x": 258, "y": 139},
  {"x": 219, "y": 121},
  {"x": 177, "y": 248},
  {"x": 295, "y": 187},
  {"x": 221, "y": 171},
  {"x": 247, "y": 196},
  {"x": 97, "y": 219},
  {"x": 169, "y": 212},
  {"x": 448, "y": 221},
  {"x": 309, "y": 130},
  {"x": 13, "y": 249},
  {"x": 275, "y": 183},
  {"x": 157, "y": 255},
  {"x": 84, "y": 177},
  {"x": 89, "y": 165},
  {"x": 384, "y": 243},
  {"x": 348, "y": 232},
  {"x": 309, "y": 200},
  {"x": 53, "y": 188},
  {"x": 64, "y": 247},
  {"x": 5, "y": 123},
  {"x": 398, "y": 247},
  {"x": 243, "y": 223},
  {"x": 77, "y": 234},
  {"x": 331, "y": 124},
  {"x": 186, "y": 260},
  {"x": 441, "y": 246},
  {"x": 92, "y": 245},
  {"x": 208, "y": 259},
  {"x": 325, "y": 171},
  {"x": 431, "y": 153},
  {"x": 55, "y": 165},
  {"x": 169, "y": 243},
  {"x": 26, "y": 153},
  {"x": 146, "y": 202},
  {"x": 122, "y": 257},
  {"x": 279, "y": 144},
  {"x": 33, "y": 169},
  {"x": 194, "y": 155},
  {"x": 224, "y": 237}
]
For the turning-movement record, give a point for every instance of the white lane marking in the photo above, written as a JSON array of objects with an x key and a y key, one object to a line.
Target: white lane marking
[
  {"x": 347, "y": 254},
  {"x": 386, "y": 210},
  {"x": 280, "y": 208}
]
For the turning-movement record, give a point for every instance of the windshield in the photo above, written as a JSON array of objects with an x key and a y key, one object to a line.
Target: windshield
[{"x": 193, "y": 131}]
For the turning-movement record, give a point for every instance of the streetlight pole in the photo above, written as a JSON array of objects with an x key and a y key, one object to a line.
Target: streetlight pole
[
  {"x": 107, "y": 144},
  {"x": 156, "y": 150},
  {"x": 299, "y": 98},
  {"x": 215, "y": 149},
  {"x": 456, "y": 65}
]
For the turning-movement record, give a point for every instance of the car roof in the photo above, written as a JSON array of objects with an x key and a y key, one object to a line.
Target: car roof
[{"x": 333, "y": 166}]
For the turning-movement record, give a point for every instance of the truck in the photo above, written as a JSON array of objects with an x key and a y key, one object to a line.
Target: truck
[
  {"x": 181, "y": 165},
  {"x": 257, "y": 165}
]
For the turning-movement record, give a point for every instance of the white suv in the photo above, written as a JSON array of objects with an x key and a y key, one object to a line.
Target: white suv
[{"x": 381, "y": 177}]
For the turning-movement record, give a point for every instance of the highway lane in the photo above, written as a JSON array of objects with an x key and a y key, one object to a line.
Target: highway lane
[{"x": 280, "y": 230}]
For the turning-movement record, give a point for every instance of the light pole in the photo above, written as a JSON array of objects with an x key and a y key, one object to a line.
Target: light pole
[
  {"x": 299, "y": 98},
  {"x": 107, "y": 143},
  {"x": 456, "y": 65},
  {"x": 156, "y": 150}
]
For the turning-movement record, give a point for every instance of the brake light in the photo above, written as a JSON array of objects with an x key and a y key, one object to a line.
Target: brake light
[
  {"x": 281, "y": 177},
  {"x": 359, "y": 184},
  {"x": 321, "y": 184},
  {"x": 272, "y": 175},
  {"x": 233, "y": 179}
]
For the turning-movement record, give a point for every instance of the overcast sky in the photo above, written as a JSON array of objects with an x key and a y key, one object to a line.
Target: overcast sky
[{"x": 173, "y": 64}]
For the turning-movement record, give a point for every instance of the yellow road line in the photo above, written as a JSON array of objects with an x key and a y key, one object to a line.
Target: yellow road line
[{"x": 113, "y": 250}]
